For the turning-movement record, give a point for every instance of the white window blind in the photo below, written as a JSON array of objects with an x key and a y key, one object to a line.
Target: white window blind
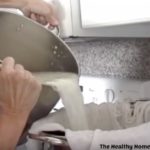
[{"x": 97, "y": 13}]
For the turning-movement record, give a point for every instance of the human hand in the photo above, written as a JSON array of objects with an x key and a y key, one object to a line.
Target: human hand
[
  {"x": 19, "y": 91},
  {"x": 40, "y": 11}
]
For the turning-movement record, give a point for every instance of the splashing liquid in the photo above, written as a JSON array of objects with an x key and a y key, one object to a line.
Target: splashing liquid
[{"x": 66, "y": 84}]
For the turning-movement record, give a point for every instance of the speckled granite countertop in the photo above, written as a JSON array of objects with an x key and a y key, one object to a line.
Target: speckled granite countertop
[{"x": 123, "y": 58}]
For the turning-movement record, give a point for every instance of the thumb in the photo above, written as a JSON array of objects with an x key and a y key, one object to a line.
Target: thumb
[{"x": 53, "y": 21}]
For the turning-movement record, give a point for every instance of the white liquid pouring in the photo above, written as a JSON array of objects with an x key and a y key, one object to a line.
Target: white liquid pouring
[{"x": 66, "y": 84}]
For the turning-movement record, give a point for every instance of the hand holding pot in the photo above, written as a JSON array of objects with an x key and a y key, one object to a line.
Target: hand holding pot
[
  {"x": 40, "y": 11},
  {"x": 19, "y": 92}
]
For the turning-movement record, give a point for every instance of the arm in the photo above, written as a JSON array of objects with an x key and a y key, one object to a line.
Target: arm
[
  {"x": 38, "y": 10},
  {"x": 19, "y": 92},
  {"x": 12, "y": 3},
  {"x": 11, "y": 127}
]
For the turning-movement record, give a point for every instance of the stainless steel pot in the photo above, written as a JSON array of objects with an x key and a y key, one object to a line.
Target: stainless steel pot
[
  {"x": 37, "y": 49},
  {"x": 51, "y": 141}
]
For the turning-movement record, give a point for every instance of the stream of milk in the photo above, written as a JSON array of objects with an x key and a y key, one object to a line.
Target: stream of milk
[{"x": 66, "y": 84}]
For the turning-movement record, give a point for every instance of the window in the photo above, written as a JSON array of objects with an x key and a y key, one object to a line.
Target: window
[{"x": 96, "y": 13}]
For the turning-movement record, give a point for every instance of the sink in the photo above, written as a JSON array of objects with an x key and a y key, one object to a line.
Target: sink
[
  {"x": 22, "y": 147},
  {"x": 30, "y": 145},
  {"x": 100, "y": 90}
]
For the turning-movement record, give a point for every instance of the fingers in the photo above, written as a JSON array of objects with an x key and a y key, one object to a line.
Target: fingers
[
  {"x": 33, "y": 17},
  {"x": 51, "y": 16},
  {"x": 41, "y": 11},
  {"x": 1, "y": 63},
  {"x": 19, "y": 68},
  {"x": 8, "y": 64},
  {"x": 44, "y": 13},
  {"x": 24, "y": 74},
  {"x": 19, "y": 90},
  {"x": 44, "y": 19},
  {"x": 52, "y": 20},
  {"x": 41, "y": 19},
  {"x": 28, "y": 75},
  {"x": 35, "y": 84}
]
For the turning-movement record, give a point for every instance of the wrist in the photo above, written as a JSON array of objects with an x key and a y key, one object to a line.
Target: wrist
[
  {"x": 17, "y": 119},
  {"x": 16, "y": 115},
  {"x": 11, "y": 128}
]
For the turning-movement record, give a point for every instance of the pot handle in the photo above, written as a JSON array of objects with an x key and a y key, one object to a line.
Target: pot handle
[
  {"x": 54, "y": 29},
  {"x": 49, "y": 139}
]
